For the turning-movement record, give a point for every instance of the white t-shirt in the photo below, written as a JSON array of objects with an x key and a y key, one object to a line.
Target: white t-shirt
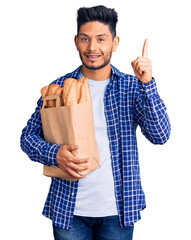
[{"x": 95, "y": 196}]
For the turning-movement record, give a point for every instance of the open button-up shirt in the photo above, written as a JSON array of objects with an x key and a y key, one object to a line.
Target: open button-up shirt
[{"x": 128, "y": 103}]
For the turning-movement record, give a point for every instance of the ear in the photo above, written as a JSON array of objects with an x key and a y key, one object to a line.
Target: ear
[
  {"x": 76, "y": 41},
  {"x": 115, "y": 43}
]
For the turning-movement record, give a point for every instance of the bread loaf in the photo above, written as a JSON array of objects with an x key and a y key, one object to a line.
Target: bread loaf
[
  {"x": 70, "y": 91},
  {"x": 87, "y": 90},
  {"x": 71, "y": 97},
  {"x": 79, "y": 92},
  {"x": 73, "y": 92},
  {"x": 52, "y": 91},
  {"x": 44, "y": 92}
]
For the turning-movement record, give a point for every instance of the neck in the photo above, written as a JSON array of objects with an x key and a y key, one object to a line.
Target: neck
[{"x": 97, "y": 75}]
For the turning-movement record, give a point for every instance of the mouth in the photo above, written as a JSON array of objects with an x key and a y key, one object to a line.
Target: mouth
[{"x": 92, "y": 57}]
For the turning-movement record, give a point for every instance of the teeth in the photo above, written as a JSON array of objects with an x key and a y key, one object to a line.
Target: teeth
[{"x": 93, "y": 56}]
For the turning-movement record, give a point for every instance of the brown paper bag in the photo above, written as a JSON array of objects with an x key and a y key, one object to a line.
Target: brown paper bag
[{"x": 70, "y": 125}]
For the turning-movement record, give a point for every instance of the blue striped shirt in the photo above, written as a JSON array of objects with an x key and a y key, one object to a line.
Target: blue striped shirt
[{"x": 128, "y": 103}]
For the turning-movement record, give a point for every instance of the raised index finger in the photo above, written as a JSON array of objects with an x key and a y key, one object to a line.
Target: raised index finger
[{"x": 145, "y": 49}]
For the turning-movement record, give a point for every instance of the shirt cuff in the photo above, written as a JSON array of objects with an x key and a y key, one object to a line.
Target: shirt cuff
[
  {"x": 51, "y": 152},
  {"x": 149, "y": 88}
]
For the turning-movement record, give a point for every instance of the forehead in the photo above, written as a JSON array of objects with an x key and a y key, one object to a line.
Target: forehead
[{"x": 94, "y": 28}]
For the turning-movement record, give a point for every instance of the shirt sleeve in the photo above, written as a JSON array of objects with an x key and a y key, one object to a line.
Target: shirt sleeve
[
  {"x": 32, "y": 142},
  {"x": 151, "y": 114}
]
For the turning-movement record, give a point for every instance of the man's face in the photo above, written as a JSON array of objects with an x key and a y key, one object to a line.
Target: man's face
[{"x": 95, "y": 44}]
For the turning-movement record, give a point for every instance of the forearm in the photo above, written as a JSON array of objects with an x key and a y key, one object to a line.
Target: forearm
[
  {"x": 33, "y": 144},
  {"x": 151, "y": 114}
]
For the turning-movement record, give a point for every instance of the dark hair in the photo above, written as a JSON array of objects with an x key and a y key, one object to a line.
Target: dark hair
[{"x": 98, "y": 13}]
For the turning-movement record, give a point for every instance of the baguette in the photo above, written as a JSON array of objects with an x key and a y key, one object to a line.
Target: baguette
[
  {"x": 52, "y": 91},
  {"x": 87, "y": 90},
  {"x": 66, "y": 88},
  {"x": 79, "y": 86},
  {"x": 73, "y": 92},
  {"x": 71, "y": 97},
  {"x": 44, "y": 93}
]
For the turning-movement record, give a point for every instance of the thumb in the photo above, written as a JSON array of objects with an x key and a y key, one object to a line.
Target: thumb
[
  {"x": 132, "y": 63},
  {"x": 72, "y": 147}
]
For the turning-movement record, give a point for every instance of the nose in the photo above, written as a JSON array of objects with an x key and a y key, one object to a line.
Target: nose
[{"x": 92, "y": 45}]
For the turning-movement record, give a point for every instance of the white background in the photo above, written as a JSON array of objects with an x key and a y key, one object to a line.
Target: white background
[{"x": 36, "y": 47}]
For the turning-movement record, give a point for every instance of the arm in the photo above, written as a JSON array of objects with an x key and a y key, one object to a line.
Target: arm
[
  {"x": 38, "y": 150},
  {"x": 150, "y": 113},
  {"x": 32, "y": 142}
]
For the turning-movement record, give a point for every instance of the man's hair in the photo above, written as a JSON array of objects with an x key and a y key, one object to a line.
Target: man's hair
[{"x": 98, "y": 13}]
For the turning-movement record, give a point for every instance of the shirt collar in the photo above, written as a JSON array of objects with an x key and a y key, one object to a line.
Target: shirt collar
[{"x": 116, "y": 72}]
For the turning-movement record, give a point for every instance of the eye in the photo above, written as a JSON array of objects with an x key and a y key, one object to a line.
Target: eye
[
  {"x": 101, "y": 40},
  {"x": 84, "y": 39}
]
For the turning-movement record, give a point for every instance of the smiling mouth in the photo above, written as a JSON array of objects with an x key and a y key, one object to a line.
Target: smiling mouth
[{"x": 92, "y": 57}]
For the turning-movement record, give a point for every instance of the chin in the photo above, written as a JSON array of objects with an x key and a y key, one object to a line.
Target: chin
[{"x": 96, "y": 67}]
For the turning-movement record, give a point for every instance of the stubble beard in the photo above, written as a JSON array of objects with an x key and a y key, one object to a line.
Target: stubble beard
[{"x": 92, "y": 67}]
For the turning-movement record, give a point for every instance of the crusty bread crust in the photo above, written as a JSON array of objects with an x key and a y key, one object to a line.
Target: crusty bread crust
[{"x": 73, "y": 92}]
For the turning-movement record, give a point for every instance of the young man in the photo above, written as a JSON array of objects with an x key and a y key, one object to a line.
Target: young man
[{"x": 106, "y": 203}]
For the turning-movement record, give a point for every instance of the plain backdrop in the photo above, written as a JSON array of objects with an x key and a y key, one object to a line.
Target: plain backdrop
[{"x": 36, "y": 47}]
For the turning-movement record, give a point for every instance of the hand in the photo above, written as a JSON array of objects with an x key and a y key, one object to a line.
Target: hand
[
  {"x": 142, "y": 66},
  {"x": 69, "y": 163}
]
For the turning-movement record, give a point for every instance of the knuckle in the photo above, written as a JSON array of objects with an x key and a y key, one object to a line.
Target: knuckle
[
  {"x": 82, "y": 168},
  {"x": 85, "y": 168},
  {"x": 64, "y": 147},
  {"x": 80, "y": 160},
  {"x": 70, "y": 160},
  {"x": 72, "y": 146},
  {"x": 68, "y": 164}
]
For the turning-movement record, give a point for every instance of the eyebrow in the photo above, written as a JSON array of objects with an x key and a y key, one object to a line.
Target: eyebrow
[{"x": 99, "y": 35}]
